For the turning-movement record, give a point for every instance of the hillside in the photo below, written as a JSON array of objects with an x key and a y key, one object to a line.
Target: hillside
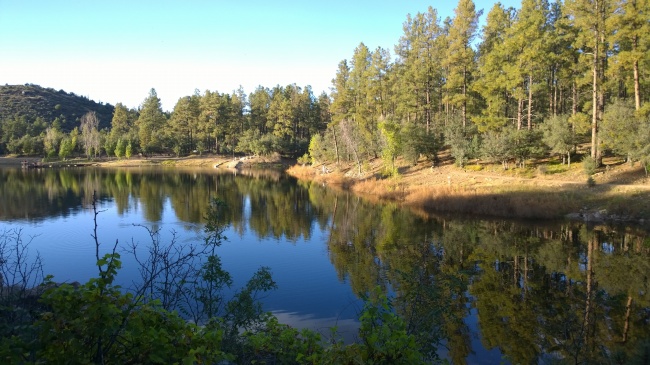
[{"x": 34, "y": 101}]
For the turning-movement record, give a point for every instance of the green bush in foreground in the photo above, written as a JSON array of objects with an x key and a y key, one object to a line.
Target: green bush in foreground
[{"x": 97, "y": 323}]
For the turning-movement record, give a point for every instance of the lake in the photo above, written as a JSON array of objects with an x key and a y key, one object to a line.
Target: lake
[{"x": 484, "y": 291}]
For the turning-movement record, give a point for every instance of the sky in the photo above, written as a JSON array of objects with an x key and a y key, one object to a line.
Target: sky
[{"x": 116, "y": 51}]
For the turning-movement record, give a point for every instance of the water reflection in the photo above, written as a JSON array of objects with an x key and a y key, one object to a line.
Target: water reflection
[{"x": 468, "y": 289}]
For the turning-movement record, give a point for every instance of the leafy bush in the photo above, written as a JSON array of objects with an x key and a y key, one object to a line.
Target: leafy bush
[{"x": 589, "y": 165}]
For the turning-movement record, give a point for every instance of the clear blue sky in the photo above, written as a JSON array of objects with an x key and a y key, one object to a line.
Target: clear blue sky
[{"x": 116, "y": 51}]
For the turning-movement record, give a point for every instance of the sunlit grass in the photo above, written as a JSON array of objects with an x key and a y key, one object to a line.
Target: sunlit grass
[{"x": 554, "y": 168}]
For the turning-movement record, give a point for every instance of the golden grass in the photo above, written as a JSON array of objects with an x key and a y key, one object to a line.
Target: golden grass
[
  {"x": 518, "y": 195},
  {"x": 493, "y": 201}
]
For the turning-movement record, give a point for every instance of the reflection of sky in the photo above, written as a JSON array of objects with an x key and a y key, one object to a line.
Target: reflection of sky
[
  {"x": 309, "y": 294},
  {"x": 346, "y": 329},
  {"x": 308, "y": 286}
]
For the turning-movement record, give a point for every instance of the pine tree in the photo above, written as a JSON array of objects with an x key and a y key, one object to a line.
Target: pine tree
[
  {"x": 491, "y": 82},
  {"x": 590, "y": 20},
  {"x": 526, "y": 41},
  {"x": 150, "y": 123},
  {"x": 631, "y": 20},
  {"x": 460, "y": 59},
  {"x": 421, "y": 51}
]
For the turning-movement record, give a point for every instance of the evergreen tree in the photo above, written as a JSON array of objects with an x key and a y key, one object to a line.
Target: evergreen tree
[
  {"x": 460, "y": 58},
  {"x": 631, "y": 21},
  {"x": 150, "y": 123},
  {"x": 590, "y": 21},
  {"x": 526, "y": 41},
  {"x": 421, "y": 51},
  {"x": 492, "y": 80}
]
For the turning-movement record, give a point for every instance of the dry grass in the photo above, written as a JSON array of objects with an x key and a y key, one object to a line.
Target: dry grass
[
  {"x": 494, "y": 201},
  {"x": 490, "y": 191}
]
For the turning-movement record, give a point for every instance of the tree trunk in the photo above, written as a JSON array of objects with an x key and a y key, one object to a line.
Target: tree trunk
[
  {"x": 464, "y": 111},
  {"x": 428, "y": 109},
  {"x": 336, "y": 146},
  {"x": 574, "y": 97},
  {"x": 530, "y": 102},
  {"x": 637, "y": 92},
  {"x": 594, "y": 100},
  {"x": 626, "y": 326},
  {"x": 520, "y": 106}
]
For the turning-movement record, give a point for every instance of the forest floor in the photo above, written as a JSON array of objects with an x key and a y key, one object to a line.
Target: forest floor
[{"x": 547, "y": 189}]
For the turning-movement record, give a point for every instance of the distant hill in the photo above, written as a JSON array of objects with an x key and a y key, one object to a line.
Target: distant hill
[{"x": 35, "y": 101}]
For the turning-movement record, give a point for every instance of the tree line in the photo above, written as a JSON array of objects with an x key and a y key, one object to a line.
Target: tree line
[
  {"x": 540, "y": 79},
  {"x": 281, "y": 119}
]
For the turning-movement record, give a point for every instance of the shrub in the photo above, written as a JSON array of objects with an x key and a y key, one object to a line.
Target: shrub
[{"x": 589, "y": 165}]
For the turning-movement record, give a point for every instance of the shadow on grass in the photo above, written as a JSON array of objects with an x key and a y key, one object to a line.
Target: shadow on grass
[{"x": 540, "y": 203}]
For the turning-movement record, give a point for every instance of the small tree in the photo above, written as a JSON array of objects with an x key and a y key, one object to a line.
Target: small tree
[
  {"x": 391, "y": 146},
  {"x": 497, "y": 147},
  {"x": 51, "y": 141},
  {"x": 129, "y": 151},
  {"x": 65, "y": 149},
  {"x": 90, "y": 134},
  {"x": 620, "y": 130},
  {"x": 463, "y": 141},
  {"x": 558, "y": 136},
  {"x": 120, "y": 148}
]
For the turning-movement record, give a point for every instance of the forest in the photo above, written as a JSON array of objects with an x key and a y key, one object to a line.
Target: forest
[{"x": 531, "y": 83}]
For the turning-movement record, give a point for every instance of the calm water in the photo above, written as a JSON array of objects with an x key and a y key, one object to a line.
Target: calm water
[{"x": 489, "y": 291}]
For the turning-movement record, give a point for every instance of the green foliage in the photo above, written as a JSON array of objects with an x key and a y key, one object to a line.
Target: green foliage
[
  {"x": 391, "y": 146},
  {"x": 416, "y": 142},
  {"x": 120, "y": 149},
  {"x": 463, "y": 141},
  {"x": 68, "y": 144},
  {"x": 527, "y": 144},
  {"x": 324, "y": 147},
  {"x": 383, "y": 334},
  {"x": 497, "y": 147},
  {"x": 304, "y": 159},
  {"x": 589, "y": 165},
  {"x": 128, "y": 152},
  {"x": 558, "y": 136},
  {"x": 623, "y": 131}
]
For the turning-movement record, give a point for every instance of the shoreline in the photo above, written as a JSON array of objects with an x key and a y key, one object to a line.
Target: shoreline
[
  {"x": 453, "y": 190},
  {"x": 619, "y": 195}
]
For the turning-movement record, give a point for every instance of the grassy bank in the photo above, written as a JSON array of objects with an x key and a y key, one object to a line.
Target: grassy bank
[{"x": 621, "y": 192}]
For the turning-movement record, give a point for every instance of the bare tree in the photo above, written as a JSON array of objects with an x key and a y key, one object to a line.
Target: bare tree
[{"x": 90, "y": 134}]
